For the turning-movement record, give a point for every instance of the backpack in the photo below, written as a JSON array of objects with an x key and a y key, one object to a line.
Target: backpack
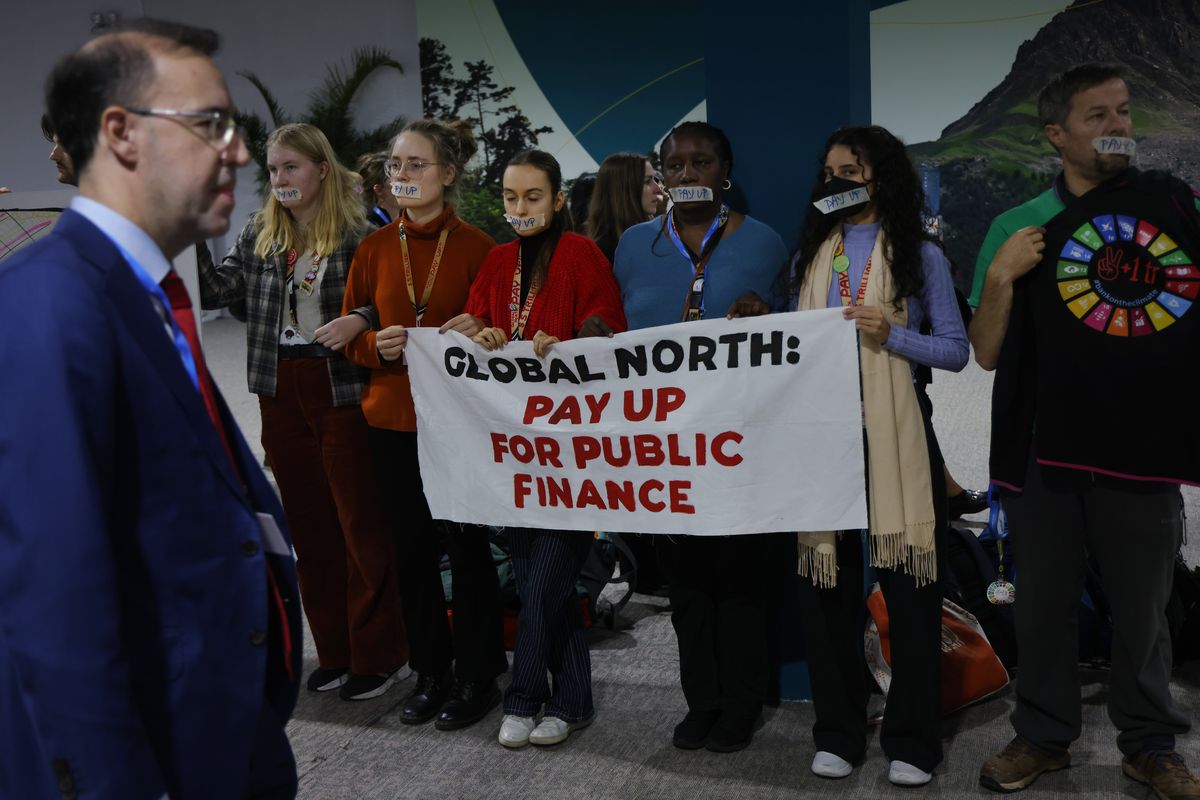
[
  {"x": 1183, "y": 613},
  {"x": 608, "y": 550}
]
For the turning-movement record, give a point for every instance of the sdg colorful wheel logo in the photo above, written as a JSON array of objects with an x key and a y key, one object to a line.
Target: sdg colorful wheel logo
[{"x": 1124, "y": 277}]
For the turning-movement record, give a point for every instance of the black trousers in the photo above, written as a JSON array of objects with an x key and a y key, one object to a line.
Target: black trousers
[
  {"x": 477, "y": 646},
  {"x": 833, "y": 621},
  {"x": 1133, "y": 532},
  {"x": 718, "y": 610}
]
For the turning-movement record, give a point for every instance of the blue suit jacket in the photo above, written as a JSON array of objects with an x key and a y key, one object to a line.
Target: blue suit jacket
[{"x": 133, "y": 583}]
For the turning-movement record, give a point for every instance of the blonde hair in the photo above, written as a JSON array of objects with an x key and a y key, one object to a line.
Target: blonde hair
[{"x": 339, "y": 214}]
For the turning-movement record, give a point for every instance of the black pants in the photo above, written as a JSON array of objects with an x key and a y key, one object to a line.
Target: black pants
[
  {"x": 833, "y": 621},
  {"x": 717, "y": 607},
  {"x": 1133, "y": 532},
  {"x": 477, "y": 647}
]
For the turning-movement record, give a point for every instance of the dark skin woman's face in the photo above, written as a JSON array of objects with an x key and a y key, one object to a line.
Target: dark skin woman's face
[{"x": 692, "y": 160}]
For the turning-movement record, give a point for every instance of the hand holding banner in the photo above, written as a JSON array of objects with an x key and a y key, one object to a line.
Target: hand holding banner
[{"x": 712, "y": 427}]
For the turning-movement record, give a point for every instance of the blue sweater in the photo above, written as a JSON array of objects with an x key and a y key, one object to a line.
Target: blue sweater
[
  {"x": 655, "y": 277},
  {"x": 946, "y": 347}
]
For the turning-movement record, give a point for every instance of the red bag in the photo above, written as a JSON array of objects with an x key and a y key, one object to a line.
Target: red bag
[{"x": 971, "y": 671}]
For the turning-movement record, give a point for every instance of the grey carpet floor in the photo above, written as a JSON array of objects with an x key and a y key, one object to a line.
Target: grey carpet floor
[{"x": 347, "y": 751}]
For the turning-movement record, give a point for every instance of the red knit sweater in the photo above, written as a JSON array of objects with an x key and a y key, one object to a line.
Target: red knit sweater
[{"x": 578, "y": 285}]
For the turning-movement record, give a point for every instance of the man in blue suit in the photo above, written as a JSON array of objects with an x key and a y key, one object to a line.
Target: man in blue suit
[{"x": 149, "y": 623}]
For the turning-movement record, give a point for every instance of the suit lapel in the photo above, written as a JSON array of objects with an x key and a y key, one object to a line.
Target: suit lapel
[{"x": 145, "y": 327}]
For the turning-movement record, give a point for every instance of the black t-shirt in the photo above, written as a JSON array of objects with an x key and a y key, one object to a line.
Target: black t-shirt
[{"x": 1100, "y": 368}]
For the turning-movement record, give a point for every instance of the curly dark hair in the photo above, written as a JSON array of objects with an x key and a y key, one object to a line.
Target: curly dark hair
[{"x": 897, "y": 195}]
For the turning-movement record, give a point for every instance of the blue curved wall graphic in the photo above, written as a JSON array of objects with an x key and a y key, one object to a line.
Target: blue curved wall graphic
[{"x": 586, "y": 60}]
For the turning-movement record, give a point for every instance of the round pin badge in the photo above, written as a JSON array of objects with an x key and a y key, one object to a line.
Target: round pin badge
[
  {"x": 841, "y": 263},
  {"x": 1001, "y": 593}
]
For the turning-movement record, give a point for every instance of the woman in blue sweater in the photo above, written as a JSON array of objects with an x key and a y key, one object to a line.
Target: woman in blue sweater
[{"x": 693, "y": 263}]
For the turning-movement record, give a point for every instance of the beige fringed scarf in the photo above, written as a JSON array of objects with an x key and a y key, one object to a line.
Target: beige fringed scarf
[{"x": 899, "y": 494}]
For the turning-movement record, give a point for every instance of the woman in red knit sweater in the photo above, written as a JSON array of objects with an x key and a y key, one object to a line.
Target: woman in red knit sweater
[
  {"x": 548, "y": 285},
  {"x": 417, "y": 270}
]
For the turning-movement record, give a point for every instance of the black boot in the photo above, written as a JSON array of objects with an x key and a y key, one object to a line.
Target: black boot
[
  {"x": 692, "y": 733},
  {"x": 470, "y": 702},
  {"x": 426, "y": 699}
]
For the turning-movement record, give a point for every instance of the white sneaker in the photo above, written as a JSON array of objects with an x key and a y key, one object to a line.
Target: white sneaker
[
  {"x": 828, "y": 765},
  {"x": 905, "y": 774},
  {"x": 552, "y": 730},
  {"x": 514, "y": 730},
  {"x": 402, "y": 674}
]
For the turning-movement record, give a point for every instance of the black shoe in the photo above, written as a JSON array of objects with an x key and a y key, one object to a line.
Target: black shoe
[
  {"x": 364, "y": 687},
  {"x": 470, "y": 702},
  {"x": 326, "y": 680},
  {"x": 426, "y": 699},
  {"x": 692, "y": 733},
  {"x": 731, "y": 734},
  {"x": 968, "y": 501}
]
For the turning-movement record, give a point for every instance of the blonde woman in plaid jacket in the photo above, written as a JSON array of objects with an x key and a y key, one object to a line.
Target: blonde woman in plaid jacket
[{"x": 289, "y": 268}]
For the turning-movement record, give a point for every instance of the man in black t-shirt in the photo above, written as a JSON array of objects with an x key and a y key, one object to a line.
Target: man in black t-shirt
[{"x": 1085, "y": 346}]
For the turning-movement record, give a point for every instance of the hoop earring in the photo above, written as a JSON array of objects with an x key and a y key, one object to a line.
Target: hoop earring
[{"x": 727, "y": 185}]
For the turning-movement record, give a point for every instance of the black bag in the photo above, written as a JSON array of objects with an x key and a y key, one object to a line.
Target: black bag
[
  {"x": 1183, "y": 613},
  {"x": 608, "y": 550},
  {"x": 972, "y": 566}
]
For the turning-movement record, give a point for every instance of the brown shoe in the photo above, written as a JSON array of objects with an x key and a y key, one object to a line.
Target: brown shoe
[
  {"x": 1165, "y": 773},
  {"x": 1018, "y": 765}
]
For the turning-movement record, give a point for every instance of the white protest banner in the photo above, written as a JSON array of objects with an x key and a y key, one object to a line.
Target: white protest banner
[{"x": 710, "y": 427}]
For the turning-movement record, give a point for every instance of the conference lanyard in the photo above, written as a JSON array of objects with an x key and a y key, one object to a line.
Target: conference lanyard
[
  {"x": 419, "y": 308},
  {"x": 693, "y": 308},
  {"x": 841, "y": 265},
  {"x": 516, "y": 331},
  {"x": 310, "y": 278},
  {"x": 181, "y": 342}
]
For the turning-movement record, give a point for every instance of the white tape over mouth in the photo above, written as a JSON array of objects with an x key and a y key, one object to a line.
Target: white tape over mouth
[
  {"x": 526, "y": 223},
  {"x": 1114, "y": 145},
  {"x": 691, "y": 194},
  {"x": 407, "y": 191},
  {"x": 854, "y": 197},
  {"x": 290, "y": 193}
]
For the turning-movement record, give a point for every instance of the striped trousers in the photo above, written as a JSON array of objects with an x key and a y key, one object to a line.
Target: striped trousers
[{"x": 550, "y": 632}]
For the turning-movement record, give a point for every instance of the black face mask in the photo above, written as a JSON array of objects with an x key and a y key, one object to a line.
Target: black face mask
[{"x": 832, "y": 199}]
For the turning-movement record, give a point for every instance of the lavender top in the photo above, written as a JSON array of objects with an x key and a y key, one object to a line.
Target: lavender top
[{"x": 946, "y": 347}]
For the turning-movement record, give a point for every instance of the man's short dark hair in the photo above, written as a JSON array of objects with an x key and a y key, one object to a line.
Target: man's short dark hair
[
  {"x": 47, "y": 128},
  {"x": 114, "y": 69},
  {"x": 1054, "y": 101}
]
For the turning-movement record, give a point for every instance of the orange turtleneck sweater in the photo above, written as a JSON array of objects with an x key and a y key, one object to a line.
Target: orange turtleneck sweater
[{"x": 377, "y": 279}]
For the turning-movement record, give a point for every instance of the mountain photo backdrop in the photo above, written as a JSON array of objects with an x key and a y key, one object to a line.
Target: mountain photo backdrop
[{"x": 995, "y": 156}]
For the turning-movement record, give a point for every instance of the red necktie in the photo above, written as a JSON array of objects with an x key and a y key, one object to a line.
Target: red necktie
[{"x": 181, "y": 309}]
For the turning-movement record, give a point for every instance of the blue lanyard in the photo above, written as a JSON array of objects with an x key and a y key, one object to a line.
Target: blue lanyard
[
  {"x": 181, "y": 342},
  {"x": 719, "y": 220},
  {"x": 698, "y": 264},
  {"x": 379, "y": 212}
]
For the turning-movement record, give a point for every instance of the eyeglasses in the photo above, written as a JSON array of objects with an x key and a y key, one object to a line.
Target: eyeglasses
[
  {"x": 415, "y": 168},
  {"x": 222, "y": 125}
]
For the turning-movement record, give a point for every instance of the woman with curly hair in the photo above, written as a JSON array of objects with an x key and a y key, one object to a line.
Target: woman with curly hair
[{"x": 864, "y": 249}]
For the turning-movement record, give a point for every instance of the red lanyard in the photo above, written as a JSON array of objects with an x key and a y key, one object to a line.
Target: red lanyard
[
  {"x": 419, "y": 309},
  {"x": 517, "y": 323},
  {"x": 844, "y": 277}
]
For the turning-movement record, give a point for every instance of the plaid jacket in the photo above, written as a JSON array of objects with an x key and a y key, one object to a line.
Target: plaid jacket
[{"x": 243, "y": 277}]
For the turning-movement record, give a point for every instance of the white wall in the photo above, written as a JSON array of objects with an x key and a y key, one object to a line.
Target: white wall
[{"x": 288, "y": 44}]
